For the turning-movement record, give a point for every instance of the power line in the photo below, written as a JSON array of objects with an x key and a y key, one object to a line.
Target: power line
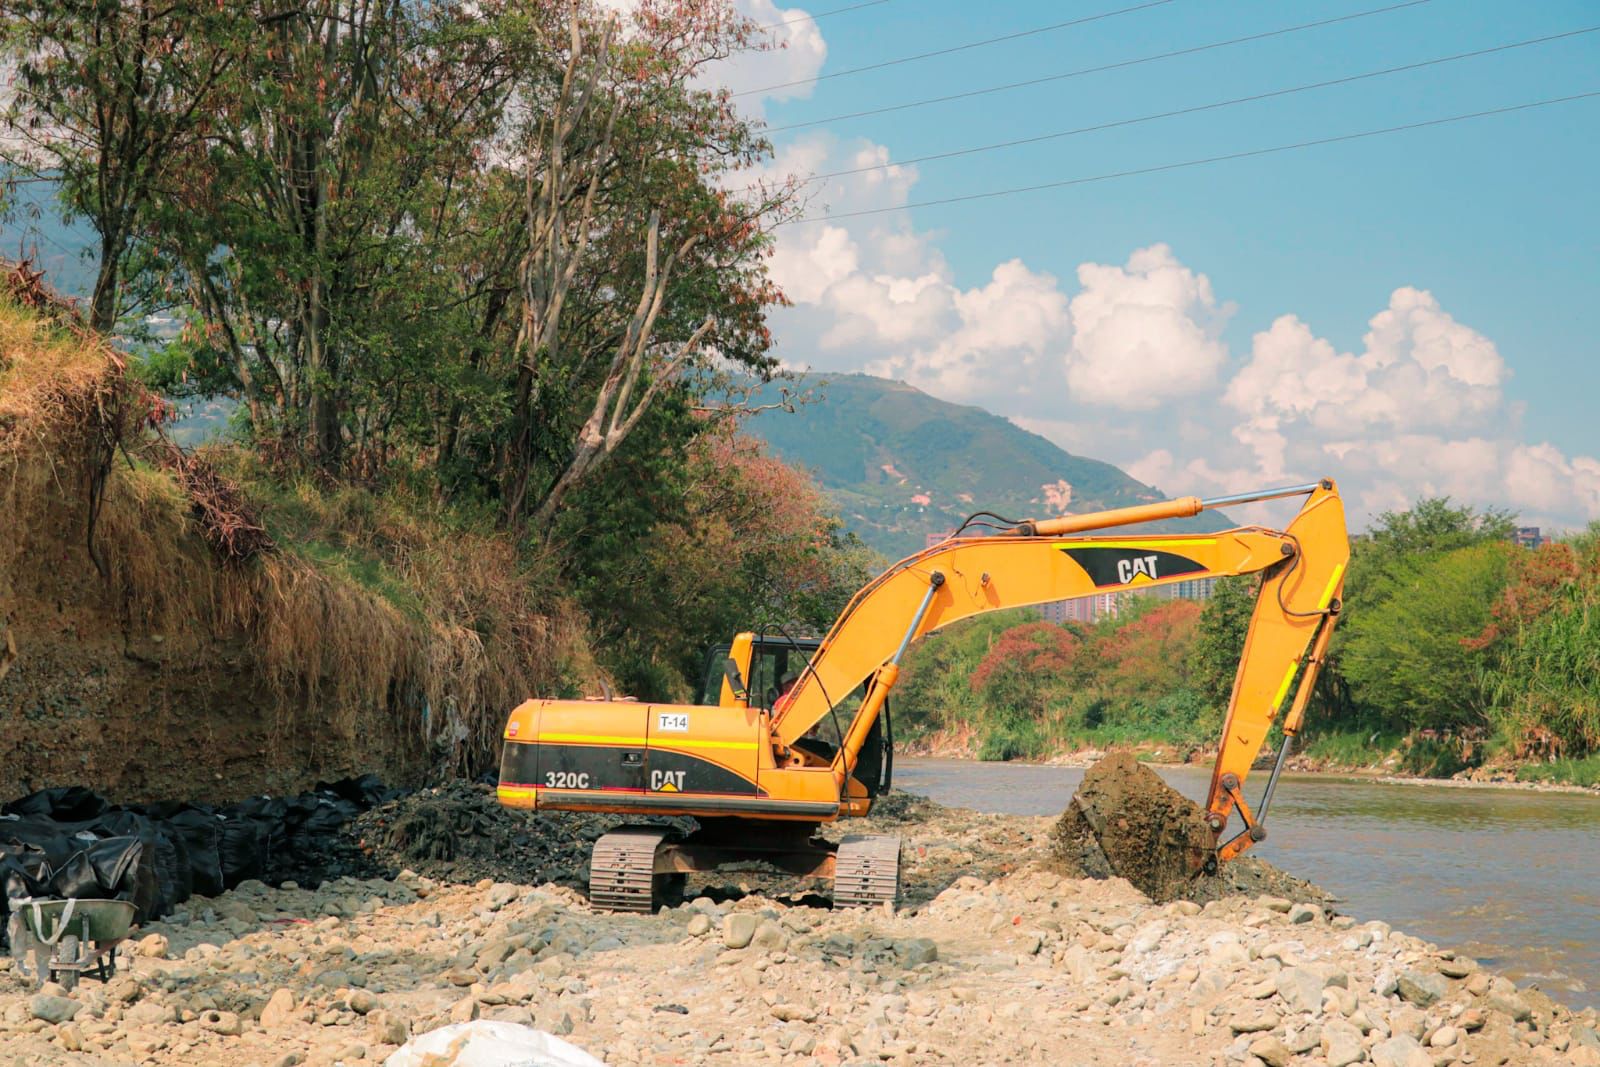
[
  {"x": 818, "y": 15},
  {"x": 958, "y": 48},
  {"x": 1201, "y": 162},
  {"x": 1201, "y": 107},
  {"x": 1195, "y": 49}
]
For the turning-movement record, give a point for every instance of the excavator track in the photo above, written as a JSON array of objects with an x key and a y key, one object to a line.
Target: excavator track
[
  {"x": 866, "y": 871},
  {"x": 622, "y": 869}
]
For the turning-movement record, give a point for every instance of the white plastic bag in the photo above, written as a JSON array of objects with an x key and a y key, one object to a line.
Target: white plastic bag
[{"x": 489, "y": 1044}]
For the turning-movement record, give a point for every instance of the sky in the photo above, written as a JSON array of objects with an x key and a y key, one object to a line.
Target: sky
[{"x": 1414, "y": 314}]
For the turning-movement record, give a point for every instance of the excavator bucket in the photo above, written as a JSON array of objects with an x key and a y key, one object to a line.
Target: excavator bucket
[{"x": 1124, "y": 821}]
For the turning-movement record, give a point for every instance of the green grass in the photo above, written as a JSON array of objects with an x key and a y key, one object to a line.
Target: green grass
[
  {"x": 365, "y": 570},
  {"x": 1433, "y": 759},
  {"x": 1351, "y": 748},
  {"x": 1585, "y": 771}
]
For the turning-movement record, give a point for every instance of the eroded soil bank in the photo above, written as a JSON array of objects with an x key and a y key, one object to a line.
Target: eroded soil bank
[{"x": 996, "y": 958}]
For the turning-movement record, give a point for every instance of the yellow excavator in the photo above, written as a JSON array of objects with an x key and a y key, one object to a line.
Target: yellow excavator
[{"x": 758, "y": 781}]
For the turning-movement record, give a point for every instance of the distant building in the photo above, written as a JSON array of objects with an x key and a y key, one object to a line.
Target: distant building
[
  {"x": 1189, "y": 589},
  {"x": 1091, "y": 609},
  {"x": 936, "y": 538},
  {"x": 1528, "y": 537}
]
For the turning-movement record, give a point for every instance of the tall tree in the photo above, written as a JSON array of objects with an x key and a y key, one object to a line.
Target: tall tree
[
  {"x": 638, "y": 268},
  {"x": 1407, "y": 650},
  {"x": 108, "y": 97},
  {"x": 326, "y": 234}
]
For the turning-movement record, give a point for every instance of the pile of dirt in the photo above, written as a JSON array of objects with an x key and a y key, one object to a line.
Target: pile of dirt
[
  {"x": 896, "y": 808},
  {"x": 461, "y": 833},
  {"x": 1124, "y": 821}
]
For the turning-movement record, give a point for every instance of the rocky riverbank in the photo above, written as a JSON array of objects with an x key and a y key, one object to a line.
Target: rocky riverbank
[{"x": 1010, "y": 962}]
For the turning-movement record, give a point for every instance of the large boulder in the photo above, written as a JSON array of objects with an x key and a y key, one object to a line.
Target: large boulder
[{"x": 1124, "y": 821}]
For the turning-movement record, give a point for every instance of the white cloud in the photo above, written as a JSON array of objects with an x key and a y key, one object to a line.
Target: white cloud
[
  {"x": 796, "y": 53},
  {"x": 1418, "y": 412},
  {"x": 1421, "y": 369},
  {"x": 807, "y": 268},
  {"x": 1153, "y": 468},
  {"x": 881, "y": 312},
  {"x": 1004, "y": 327},
  {"x": 1144, "y": 333},
  {"x": 1415, "y": 327}
]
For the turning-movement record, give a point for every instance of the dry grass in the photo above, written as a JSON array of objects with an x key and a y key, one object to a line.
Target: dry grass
[
  {"x": 373, "y": 596},
  {"x": 46, "y": 374},
  {"x": 373, "y": 613}
]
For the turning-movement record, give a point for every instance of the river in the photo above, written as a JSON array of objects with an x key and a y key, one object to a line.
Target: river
[{"x": 1511, "y": 877}]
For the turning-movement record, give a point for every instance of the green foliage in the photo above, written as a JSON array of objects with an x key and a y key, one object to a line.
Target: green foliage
[
  {"x": 1405, "y": 647},
  {"x": 1451, "y": 630},
  {"x": 1584, "y": 772},
  {"x": 1545, "y": 644},
  {"x": 935, "y": 691},
  {"x": 1349, "y": 747},
  {"x": 1432, "y": 757},
  {"x": 109, "y": 101},
  {"x": 1011, "y": 740},
  {"x": 1025, "y": 688},
  {"x": 1384, "y": 564},
  {"x": 486, "y": 240},
  {"x": 685, "y": 541},
  {"x": 1223, "y": 625},
  {"x": 1433, "y": 525}
]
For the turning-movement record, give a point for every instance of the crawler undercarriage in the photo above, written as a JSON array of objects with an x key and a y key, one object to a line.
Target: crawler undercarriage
[{"x": 634, "y": 867}]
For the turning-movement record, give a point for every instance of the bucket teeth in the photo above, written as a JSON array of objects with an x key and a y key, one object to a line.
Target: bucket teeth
[
  {"x": 622, "y": 869},
  {"x": 866, "y": 871}
]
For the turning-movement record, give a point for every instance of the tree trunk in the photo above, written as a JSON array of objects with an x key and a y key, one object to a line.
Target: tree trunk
[
  {"x": 582, "y": 461},
  {"x": 103, "y": 305}
]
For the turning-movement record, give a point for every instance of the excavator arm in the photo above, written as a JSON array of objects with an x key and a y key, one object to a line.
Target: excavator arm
[{"x": 1301, "y": 571}]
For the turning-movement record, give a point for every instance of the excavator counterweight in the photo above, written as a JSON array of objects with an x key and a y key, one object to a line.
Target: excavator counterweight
[{"x": 754, "y": 772}]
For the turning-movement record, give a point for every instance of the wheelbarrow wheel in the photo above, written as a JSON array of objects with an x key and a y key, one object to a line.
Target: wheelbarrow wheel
[{"x": 67, "y": 951}]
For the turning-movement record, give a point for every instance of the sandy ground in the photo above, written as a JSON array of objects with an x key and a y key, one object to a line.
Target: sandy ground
[{"x": 1009, "y": 962}]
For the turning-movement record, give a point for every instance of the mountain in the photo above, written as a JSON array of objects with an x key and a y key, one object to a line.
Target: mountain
[{"x": 901, "y": 465}]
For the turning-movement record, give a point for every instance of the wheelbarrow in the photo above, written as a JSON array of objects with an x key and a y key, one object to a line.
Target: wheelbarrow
[{"x": 80, "y": 936}]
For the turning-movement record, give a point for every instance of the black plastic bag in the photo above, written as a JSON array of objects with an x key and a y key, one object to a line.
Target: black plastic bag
[
  {"x": 69, "y": 803},
  {"x": 201, "y": 832},
  {"x": 242, "y": 850}
]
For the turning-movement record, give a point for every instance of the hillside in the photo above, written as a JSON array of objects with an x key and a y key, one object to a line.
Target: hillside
[
  {"x": 199, "y": 626},
  {"x": 901, "y": 464}
]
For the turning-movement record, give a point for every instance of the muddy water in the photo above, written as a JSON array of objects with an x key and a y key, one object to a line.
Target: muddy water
[{"x": 1509, "y": 876}]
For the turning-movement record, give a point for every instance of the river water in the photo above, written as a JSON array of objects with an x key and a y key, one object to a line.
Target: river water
[{"x": 1511, "y": 877}]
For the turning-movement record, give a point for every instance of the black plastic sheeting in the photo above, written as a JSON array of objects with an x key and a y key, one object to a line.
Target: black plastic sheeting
[{"x": 71, "y": 842}]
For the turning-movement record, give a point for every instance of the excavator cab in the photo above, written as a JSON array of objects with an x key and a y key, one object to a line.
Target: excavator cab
[{"x": 763, "y": 667}]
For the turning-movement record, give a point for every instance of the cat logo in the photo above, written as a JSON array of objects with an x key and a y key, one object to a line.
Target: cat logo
[
  {"x": 1128, "y": 568},
  {"x": 1112, "y": 565},
  {"x": 667, "y": 781}
]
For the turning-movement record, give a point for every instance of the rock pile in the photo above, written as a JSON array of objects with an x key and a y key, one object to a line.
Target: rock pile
[
  {"x": 461, "y": 833},
  {"x": 1022, "y": 966}
]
